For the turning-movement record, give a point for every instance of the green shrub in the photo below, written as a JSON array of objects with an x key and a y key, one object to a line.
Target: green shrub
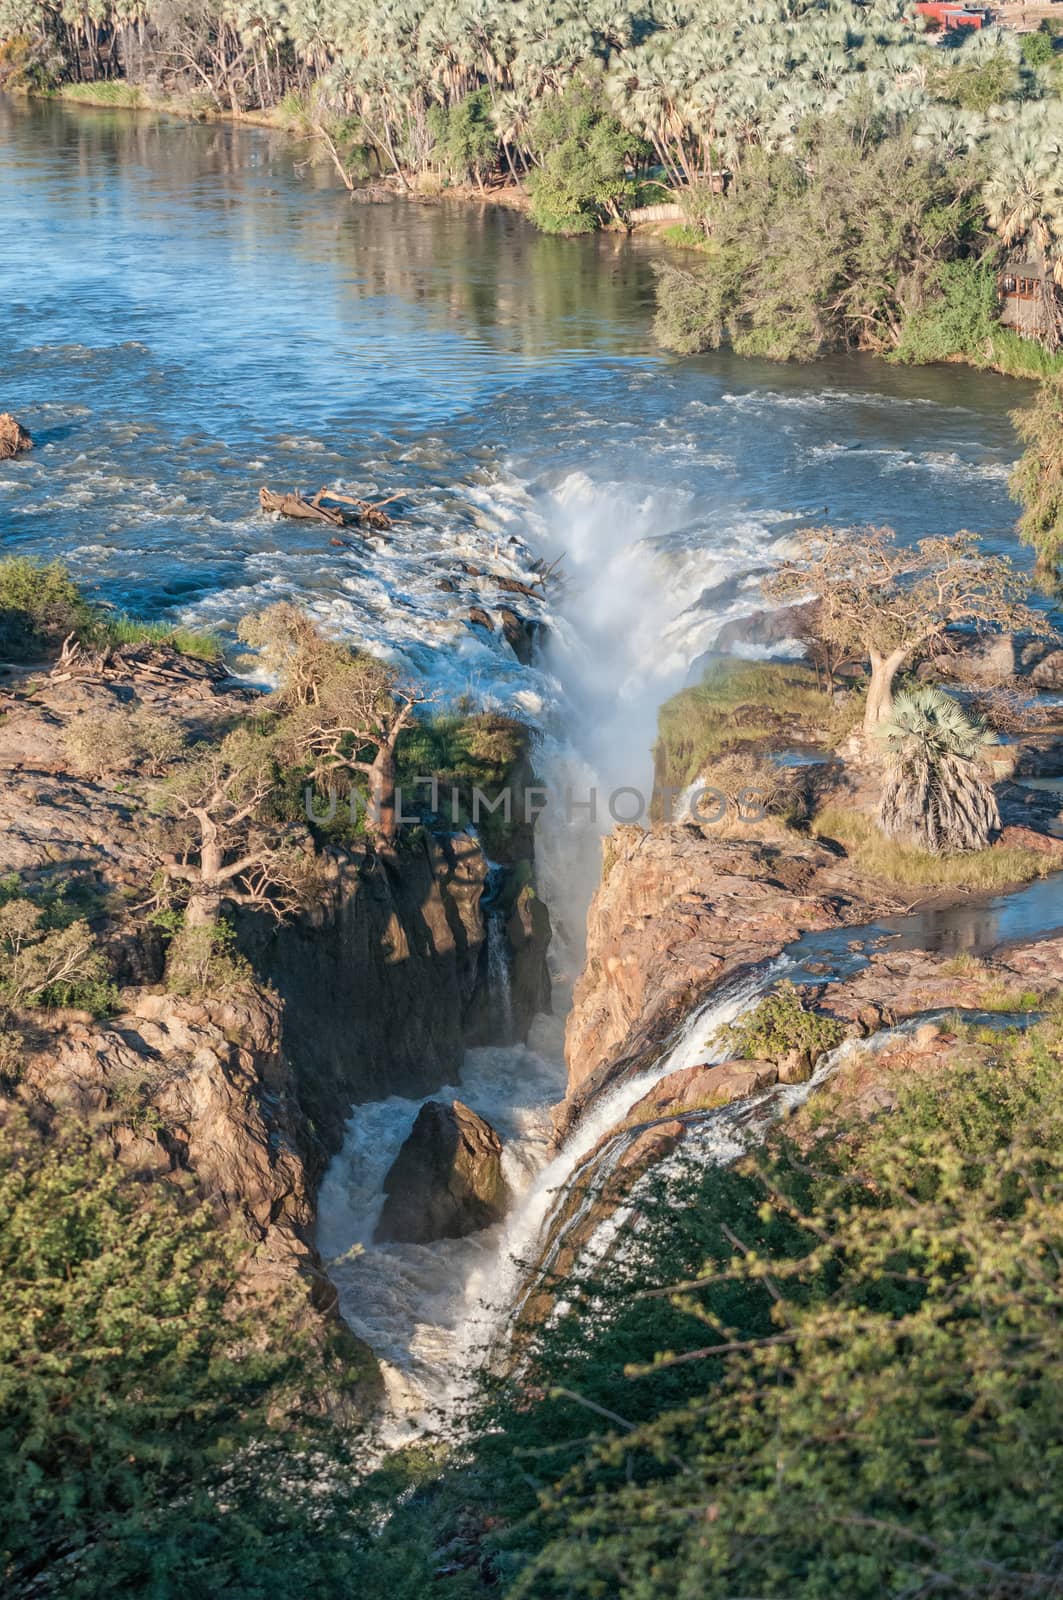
[
  {"x": 1038, "y": 49},
  {"x": 779, "y": 1023},
  {"x": 108, "y": 742},
  {"x": 586, "y": 157},
  {"x": 40, "y": 605},
  {"x": 817, "y": 246},
  {"x": 205, "y": 962},
  {"x": 959, "y": 319},
  {"x": 50, "y": 966},
  {"x": 465, "y": 136},
  {"x": 150, "y": 1432},
  {"x": 977, "y": 85}
]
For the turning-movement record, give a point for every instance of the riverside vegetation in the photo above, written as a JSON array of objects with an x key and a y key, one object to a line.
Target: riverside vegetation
[{"x": 850, "y": 179}]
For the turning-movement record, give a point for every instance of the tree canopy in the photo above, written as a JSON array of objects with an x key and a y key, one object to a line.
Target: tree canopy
[{"x": 888, "y": 602}]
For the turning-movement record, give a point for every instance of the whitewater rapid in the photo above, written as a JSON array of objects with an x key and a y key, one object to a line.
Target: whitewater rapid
[{"x": 620, "y": 636}]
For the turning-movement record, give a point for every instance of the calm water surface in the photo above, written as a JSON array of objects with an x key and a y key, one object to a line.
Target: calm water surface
[{"x": 186, "y": 316}]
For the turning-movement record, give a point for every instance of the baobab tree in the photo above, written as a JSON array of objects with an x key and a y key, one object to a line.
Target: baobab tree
[
  {"x": 344, "y": 710},
  {"x": 889, "y": 604},
  {"x": 224, "y": 842}
]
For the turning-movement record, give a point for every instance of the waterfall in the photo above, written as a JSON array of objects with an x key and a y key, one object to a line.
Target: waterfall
[
  {"x": 498, "y": 978},
  {"x": 532, "y": 1232}
]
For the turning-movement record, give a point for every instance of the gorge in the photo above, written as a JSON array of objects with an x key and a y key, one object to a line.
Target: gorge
[{"x": 504, "y": 386}]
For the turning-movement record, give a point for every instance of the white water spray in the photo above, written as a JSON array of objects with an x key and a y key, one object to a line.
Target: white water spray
[{"x": 621, "y": 638}]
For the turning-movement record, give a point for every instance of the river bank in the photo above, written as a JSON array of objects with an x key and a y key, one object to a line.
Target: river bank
[{"x": 1002, "y": 352}]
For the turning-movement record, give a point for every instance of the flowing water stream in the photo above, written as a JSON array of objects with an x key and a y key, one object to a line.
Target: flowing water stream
[{"x": 186, "y": 318}]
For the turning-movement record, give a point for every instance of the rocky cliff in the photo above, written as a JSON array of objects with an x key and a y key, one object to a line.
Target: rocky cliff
[
  {"x": 679, "y": 909},
  {"x": 378, "y": 989}
]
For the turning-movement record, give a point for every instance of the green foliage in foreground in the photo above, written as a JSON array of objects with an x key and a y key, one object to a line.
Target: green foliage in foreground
[
  {"x": 856, "y": 1388},
  {"x": 781, "y": 1022},
  {"x": 141, "y": 1450},
  {"x": 41, "y": 605}
]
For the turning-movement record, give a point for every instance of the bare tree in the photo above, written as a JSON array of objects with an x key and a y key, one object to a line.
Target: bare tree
[
  {"x": 345, "y": 709},
  {"x": 889, "y": 604},
  {"x": 225, "y": 843}
]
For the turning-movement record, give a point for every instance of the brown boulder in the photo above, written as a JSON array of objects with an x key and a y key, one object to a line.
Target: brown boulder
[
  {"x": 446, "y": 1181},
  {"x": 13, "y": 437},
  {"x": 1016, "y": 837},
  {"x": 696, "y": 1088}
]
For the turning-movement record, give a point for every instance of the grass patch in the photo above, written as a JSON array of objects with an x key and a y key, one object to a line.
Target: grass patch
[
  {"x": 204, "y": 646},
  {"x": 997, "y": 996},
  {"x": 109, "y": 93},
  {"x": 883, "y": 858},
  {"x": 1022, "y": 358},
  {"x": 740, "y": 703}
]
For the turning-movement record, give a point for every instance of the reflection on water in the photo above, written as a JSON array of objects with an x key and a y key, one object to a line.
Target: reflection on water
[
  {"x": 186, "y": 317},
  {"x": 976, "y": 926}
]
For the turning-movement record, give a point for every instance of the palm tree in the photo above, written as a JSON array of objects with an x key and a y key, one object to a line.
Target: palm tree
[{"x": 935, "y": 795}]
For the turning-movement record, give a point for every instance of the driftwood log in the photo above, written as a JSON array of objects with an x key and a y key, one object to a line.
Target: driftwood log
[
  {"x": 294, "y": 505},
  {"x": 314, "y": 509},
  {"x": 371, "y": 514},
  {"x": 13, "y": 437}
]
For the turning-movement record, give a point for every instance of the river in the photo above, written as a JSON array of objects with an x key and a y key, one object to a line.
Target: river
[{"x": 189, "y": 313}]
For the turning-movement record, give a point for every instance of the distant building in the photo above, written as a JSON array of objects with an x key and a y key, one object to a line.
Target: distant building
[
  {"x": 948, "y": 15},
  {"x": 1030, "y": 302}
]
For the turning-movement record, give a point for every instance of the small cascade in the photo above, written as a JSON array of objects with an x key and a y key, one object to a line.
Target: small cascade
[
  {"x": 498, "y": 976},
  {"x": 563, "y": 1191}
]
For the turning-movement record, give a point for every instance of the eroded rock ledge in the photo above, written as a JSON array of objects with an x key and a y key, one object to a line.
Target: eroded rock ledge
[
  {"x": 677, "y": 911},
  {"x": 243, "y": 1093}
]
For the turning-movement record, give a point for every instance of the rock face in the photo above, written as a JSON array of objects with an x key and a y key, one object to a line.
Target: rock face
[
  {"x": 769, "y": 627},
  {"x": 13, "y": 437},
  {"x": 677, "y": 911},
  {"x": 698, "y": 1088},
  {"x": 202, "y": 1088},
  {"x": 384, "y": 982},
  {"x": 446, "y": 1181},
  {"x": 381, "y": 982}
]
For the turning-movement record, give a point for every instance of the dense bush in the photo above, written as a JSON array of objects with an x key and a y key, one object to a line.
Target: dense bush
[
  {"x": 39, "y": 606},
  {"x": 586, "y": 157},
  {"x": 852, "y": 1387},
  {"x": 465, "y": 136},
  {"x": 779, "y": 1023},
  {"x": 832, "y": 244},
  {"x": 147, "y": 1416},
  {"x": 959, "y": 318}
]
